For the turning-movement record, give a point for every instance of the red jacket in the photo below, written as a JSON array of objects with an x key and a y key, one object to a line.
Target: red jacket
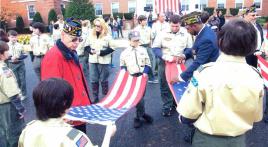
[{"x": 56, "y": 63}]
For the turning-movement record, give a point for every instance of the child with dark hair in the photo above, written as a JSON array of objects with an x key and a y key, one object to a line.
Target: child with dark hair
[
  {"x": 52, "y": 99},
  {"x": 11, "y": 107}
]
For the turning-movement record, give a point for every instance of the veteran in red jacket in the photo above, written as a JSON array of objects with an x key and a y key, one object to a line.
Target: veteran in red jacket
[{"x": 62, "y": 61}]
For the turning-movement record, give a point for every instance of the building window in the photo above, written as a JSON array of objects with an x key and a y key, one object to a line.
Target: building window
[
  {"x": 115, "y": 7},
  {"x": 98, "y": 9},
  {"x": 131, "y": 6},
  {"x": 221, "y": 3},
  {"x": 203, "y": 4},
  {"x": 184, "y": 5},
  {"x": 31, "y": 11},
  {"x": 257, "y": 4},
  {"x": 196, "y": 6},
  {"x": 239, "y": 4}
]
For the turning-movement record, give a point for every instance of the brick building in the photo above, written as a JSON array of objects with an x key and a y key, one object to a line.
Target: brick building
[{"x": 27, "y": 8}]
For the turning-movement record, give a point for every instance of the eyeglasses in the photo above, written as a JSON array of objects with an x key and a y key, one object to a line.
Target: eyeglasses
[{"x": 79, "y": 39}]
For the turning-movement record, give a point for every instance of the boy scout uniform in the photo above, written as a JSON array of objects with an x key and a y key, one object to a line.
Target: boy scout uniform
[
  {"x": 18, "y": 66},
  {"x": 53, "y": 132},
  {"x": 135, "y": 60},
  {"x": 40, "y": 44},
  {"x": 171, "y": 45},
  {"x": 225, "y": 98},
  {"x": 9, "y": 115},
  {"x": 99, "y": 65},
  {"x": 145, "y": 41}
]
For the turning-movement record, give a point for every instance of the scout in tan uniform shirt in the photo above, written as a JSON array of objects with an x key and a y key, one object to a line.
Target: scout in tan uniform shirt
[
  {"x": 40, "y": 44},
  {"x": 136, "y": 61},
  {"x": 50, "y": 130},
  {"x": 98, "y": 44},
  {"x": 10, "y": 103},
  {"x": 225, "y": 98},
  {"x": 146, "y": 41},
  {"x": 16, "y": 63},
  {"x": 167, "y": 46}
]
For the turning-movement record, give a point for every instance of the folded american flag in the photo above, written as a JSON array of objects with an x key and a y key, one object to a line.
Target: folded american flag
[
  {"x": 125, "y": 93},
  {"x": 174, "y": 70},
  {"x": 263, "y": 68}
]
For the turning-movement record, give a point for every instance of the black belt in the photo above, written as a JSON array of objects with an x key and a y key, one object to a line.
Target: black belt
[
  {"x": 136, "y": 74},
  {"x": 145, "y": 45},
  {"x": 38, "y": 56},
  {"x": 16, "y": 62}
]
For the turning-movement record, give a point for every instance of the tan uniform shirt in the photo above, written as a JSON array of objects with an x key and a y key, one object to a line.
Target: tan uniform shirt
[
  {"x": 159, "y": 27},
  {"x": 173, "y": 44},
  {"x": 81, "y": 47},
  {"x": 40, "y": 44},
  {"x": 99, "y": 44},
  {"x": 8, "y": 83},
  {"x": 145, "y": 34},
  {"x": 135, "y": 59},
  {"x": 52, "y": 133},
  {"x": 226, "y": 97},
  {"x": 15, "y": 49}
]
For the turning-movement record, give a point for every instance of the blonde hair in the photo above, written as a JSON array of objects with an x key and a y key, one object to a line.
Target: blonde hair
[{"x": 104, "y": 27}]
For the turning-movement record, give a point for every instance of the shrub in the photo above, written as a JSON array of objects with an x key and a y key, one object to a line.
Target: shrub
[
  {"x": 223, "y": 10},
  {"x": 128, "y": 16},
  {"x": 210, "y": 10},
  {"x": 234, "y": 11},
  {"x": 37, "y": 17},
  {"x": 81, "y": 9},
  {"x": 19, "y": 24},
  {"x": 52, "y": 15}
]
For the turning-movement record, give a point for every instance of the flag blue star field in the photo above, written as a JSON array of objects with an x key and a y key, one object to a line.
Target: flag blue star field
[
  {"x": 125, "y": 93},
  {"x": 177, "y": 89}
]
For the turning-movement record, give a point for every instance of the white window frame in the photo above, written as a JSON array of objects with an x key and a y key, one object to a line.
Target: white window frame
[
  {"x": 261, "y": 1},
  {"x": 238, "y": 3},
  {"x": 112, "y": 7},
  {"x": 135, "y": 4},
  {"x": 96, "y": 9},
  {"x": 28, "y": 13},
  {"x": 186, "y": 5},
  {"x": 221, "y": 3}
]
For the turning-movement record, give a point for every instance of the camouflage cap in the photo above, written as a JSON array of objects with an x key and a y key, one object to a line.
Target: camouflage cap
[
  {"x": 192, "y": 18},
  {"x": 72, "y": 27},
  {"x": 251, "y": 9}
]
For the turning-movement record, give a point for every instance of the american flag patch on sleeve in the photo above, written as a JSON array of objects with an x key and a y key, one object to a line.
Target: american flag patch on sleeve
[{"x": 82, "y": 141}]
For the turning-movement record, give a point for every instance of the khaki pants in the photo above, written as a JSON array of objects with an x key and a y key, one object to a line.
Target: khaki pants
[{"x": 205, "y": 140}]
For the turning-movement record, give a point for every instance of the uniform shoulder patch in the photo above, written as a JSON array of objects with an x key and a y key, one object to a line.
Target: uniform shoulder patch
[
  {"x": 82, "y": 141},
  {"x": 73, "y": 133}
]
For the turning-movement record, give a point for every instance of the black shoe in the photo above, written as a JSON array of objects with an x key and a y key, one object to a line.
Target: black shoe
[
  {"x": 137, "y": 123},
  {"x": 148, "y": 118},
  {"x": 167, "y": 112},
  {"x": 95, "y": 101}
]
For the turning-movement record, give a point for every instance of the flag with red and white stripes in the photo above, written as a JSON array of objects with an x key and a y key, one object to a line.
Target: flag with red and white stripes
[
  {"x": 177, "y": 89},
  {"x": 167, "y": 6},
  {"x": 263, "y": 68},
  {"x": 125, "y": 93}
]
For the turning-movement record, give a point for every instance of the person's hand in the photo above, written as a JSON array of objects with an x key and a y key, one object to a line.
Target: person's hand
[
  {"x": 181, "y": 59},
  {"x": 174, "y": 79},
  {"x": 145, "y": 74},
  {"x": 110, "y": 130},
  {"x": 13, "y": 58},
  {"x": 258, "y": 53}
]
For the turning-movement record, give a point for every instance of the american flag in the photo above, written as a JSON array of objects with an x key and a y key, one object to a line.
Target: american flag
[
  {"x": 125, "y": 93},
  {"x": 177, "y": 89},
  {"x": 167, "y": 5},
  {"x": 263, "y": 68}
]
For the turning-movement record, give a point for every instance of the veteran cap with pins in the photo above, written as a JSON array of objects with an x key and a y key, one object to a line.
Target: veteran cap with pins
[
  {"x": 73, "y": 27},
  {"x": 192, "y": 18},
  {"x": 251, "y": 9},
  {"x": 134, "y": 35}
]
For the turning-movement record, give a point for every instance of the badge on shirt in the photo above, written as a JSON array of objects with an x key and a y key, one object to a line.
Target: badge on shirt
[
  {"x": 167, "y": 39},
  {"x": 82, "y": 141},
  {"x": 7, "y": 72}
]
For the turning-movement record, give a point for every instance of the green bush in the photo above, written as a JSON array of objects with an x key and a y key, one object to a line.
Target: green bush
[
  {"x": 106, "y": 15},
  {"x": 210, "y": 10},
  {"x": 81, "y": 9},
  {"x": 223, "y": 10},
  {"x": 63, "y": 10},
  {"x": 19, "y": 24},
  {"x": 118, "y": 14},
  {"x": 234, "y": 11},
  {"x": 262, "y": 20},
  {"x": 37, "y": 17},
  {"x": 52, "y": 15},
  {"x": 128, "y": 16}
]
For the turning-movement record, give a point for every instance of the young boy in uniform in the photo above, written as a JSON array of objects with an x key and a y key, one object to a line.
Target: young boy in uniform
[{"x": 136, "y": 61}]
